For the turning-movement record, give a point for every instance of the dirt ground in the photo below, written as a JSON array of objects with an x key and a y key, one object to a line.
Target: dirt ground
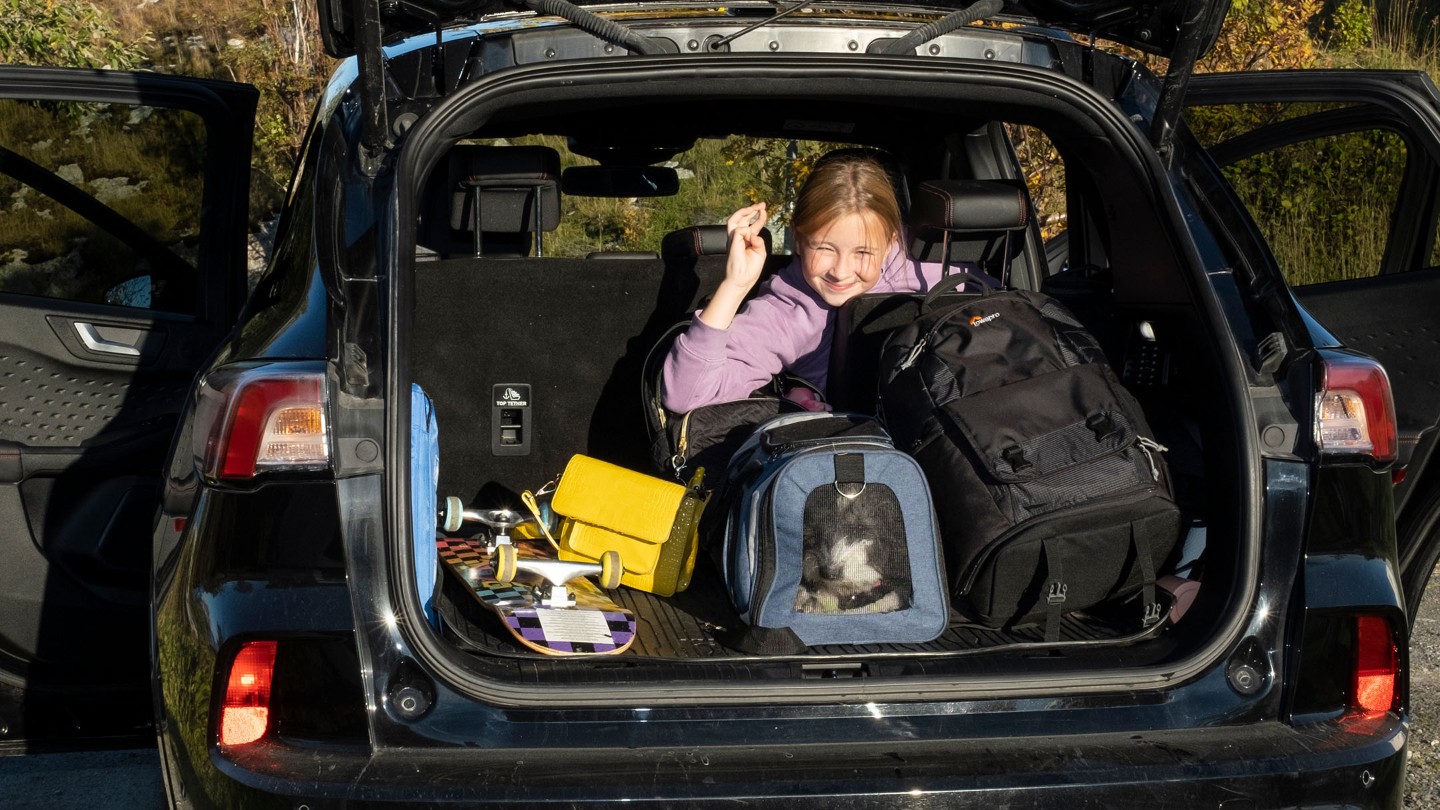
[{"x": 1423, "y": 788}]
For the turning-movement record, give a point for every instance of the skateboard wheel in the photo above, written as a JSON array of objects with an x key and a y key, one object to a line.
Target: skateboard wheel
[
  {"x": 610, "y": 570},
  {"x": 454, "y": 514},
  {"x": 504, "y": 563}
]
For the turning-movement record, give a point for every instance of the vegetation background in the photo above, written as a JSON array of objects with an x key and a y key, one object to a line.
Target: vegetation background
[{"x": 275, "y": 45}]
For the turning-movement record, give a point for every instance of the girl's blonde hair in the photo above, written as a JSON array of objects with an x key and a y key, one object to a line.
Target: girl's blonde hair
[{"x": 840, "y": 186}]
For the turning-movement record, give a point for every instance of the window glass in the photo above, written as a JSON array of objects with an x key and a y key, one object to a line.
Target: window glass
[
  {"x": 716, "y": 176},
  {"x": 1044, "y": 173},
  {"x": 100, "y": 203},
  {"x": 1323, "y": 203}
]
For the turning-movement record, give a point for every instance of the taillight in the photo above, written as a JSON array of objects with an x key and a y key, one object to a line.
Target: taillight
[
  {"x": 1355, "y": 412},
  {"x": 1377, "y": 665},
  {"x": 267, "y": 418},
  {"x": 245, "y": 709}
]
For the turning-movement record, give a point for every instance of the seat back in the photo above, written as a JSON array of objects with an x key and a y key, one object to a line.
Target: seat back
[{"x": 501, "y": 195}]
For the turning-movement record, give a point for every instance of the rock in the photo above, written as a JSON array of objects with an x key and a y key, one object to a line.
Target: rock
[
  {"x": 110, "y": 189},
  {"x": 71, "y": 174}
]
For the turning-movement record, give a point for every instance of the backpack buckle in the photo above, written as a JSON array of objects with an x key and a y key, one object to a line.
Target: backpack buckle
[
  {"x": 1057, "y": 593},
  {"x": 1015, "y": 457},
  {"x": 1152, "y": 613},
  {"x": 1101, "y": 425}
]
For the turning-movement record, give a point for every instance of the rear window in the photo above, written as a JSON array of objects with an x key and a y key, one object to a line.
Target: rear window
[{"x": 716, "y": 176}]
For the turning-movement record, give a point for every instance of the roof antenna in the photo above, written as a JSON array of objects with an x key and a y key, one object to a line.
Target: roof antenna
[{"x": 959, "y": 19}]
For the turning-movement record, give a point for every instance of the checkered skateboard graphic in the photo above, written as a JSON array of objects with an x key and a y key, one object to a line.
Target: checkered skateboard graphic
[
  {"x": 468, "y": 558},
  {"x": 594, "y": 625}
]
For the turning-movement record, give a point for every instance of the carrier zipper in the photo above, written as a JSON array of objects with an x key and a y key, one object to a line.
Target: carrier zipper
[{"x": 810, "y": 445}]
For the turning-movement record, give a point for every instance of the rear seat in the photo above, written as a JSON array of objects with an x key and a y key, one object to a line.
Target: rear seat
[{"x": 501, "y": 196}]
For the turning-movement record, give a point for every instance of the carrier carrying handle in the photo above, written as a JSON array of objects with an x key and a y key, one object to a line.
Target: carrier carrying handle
[{"x": 948, "y": 284}]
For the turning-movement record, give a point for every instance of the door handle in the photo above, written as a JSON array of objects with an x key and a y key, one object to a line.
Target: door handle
[{"x": 115, "y": 339}]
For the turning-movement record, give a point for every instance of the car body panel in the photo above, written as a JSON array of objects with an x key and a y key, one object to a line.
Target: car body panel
[{"x": 1151, "y": 26}]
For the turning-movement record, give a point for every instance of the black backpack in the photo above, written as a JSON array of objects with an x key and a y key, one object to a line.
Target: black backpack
[{"x": 1051, "y": 495}]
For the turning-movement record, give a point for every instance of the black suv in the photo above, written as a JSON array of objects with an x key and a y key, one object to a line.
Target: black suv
[{"x": 299, "y": 655}]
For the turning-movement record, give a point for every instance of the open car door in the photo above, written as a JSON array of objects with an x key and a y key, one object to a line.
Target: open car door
[
  {"x": 1341, "y": 172},
  {"x": 122, "y": 264}
]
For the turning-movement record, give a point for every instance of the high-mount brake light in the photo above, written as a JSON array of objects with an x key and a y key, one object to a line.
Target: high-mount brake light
[
  {"x": 262, "y": 419},
  {"x": 1377, "y": 665},
  {"x": 1355, "y": 411},
  {"x": 245, "y": 709}
]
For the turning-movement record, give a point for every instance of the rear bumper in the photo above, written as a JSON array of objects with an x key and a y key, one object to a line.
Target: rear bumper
[{"x": 1350, "y": 763}]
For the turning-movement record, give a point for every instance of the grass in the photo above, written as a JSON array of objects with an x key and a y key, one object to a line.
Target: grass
[
  {"x": 1324, "y": 206},
  {"x": 143, "y": 163}
]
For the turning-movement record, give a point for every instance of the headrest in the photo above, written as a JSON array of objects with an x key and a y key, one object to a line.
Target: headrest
[
  {"x": 506, "y": 181},
  {"x": 967, "y": 206},
  {"x": 700, "y": 240}
]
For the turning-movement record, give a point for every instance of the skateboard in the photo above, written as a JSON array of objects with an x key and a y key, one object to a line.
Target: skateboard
[{"x": 550, "y": 606}]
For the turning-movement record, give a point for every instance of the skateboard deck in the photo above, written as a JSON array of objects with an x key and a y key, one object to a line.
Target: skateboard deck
[{"x": 593, "y": 625}]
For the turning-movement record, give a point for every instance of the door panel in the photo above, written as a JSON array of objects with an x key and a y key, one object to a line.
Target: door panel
[
  {"x": 122, "y": 235},
  {"x": 1341, "y": 172}
]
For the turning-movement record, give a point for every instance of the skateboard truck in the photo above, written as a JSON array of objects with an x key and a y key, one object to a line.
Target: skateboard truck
[
  {"x": 557, "y": 573},
  {"x": 501, "y": 521}
]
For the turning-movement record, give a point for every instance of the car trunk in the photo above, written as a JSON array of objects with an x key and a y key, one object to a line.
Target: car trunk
[{"x": 573, "y": 333}]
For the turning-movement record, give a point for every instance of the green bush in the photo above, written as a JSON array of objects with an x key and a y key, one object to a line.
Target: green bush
[{"x": 65, "y": 34}]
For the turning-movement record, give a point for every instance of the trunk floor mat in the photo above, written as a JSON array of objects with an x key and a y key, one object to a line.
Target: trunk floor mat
[{"x": 689, "y": 626}]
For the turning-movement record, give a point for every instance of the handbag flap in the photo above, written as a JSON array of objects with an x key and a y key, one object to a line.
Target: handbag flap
[
  {"x": 590, "y": 542},
  {"x": 615, "y": 498}
]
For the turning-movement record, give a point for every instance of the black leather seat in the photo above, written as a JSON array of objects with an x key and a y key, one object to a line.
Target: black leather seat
[{"x": 501, "y": 195}]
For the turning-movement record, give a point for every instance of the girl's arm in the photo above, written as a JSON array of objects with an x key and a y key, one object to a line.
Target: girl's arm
[{"x": 743, "y": 265}]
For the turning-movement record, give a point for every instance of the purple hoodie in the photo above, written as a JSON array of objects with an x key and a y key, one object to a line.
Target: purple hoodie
[{"x": 786, "y": 327}]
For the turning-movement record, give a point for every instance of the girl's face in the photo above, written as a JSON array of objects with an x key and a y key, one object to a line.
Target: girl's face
[{"x": 844, "y": 258}]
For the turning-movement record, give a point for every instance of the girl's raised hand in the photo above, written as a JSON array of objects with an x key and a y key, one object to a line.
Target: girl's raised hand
[{"x": 747, "y": 249}]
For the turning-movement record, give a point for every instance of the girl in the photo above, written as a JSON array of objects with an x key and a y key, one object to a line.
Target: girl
[{"x": 848, "y": 242}]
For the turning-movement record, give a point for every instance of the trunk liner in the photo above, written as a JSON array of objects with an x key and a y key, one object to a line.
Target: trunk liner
[{"x": 689, "y": 626}]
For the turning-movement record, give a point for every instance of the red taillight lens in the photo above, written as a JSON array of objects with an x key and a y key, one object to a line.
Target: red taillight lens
[
  {"x": 245, "y": 710},
  {"x": 261, "y": 419},
  {"x": 1355, "y": 412},
  {"x": 1377, "y": 665}
]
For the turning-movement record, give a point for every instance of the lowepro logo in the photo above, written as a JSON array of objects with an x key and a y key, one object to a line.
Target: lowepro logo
[{"x": 978, "y": 320}]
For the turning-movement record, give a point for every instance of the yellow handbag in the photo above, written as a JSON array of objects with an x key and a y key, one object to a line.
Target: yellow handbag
[{"x": 651, "y": 522}]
